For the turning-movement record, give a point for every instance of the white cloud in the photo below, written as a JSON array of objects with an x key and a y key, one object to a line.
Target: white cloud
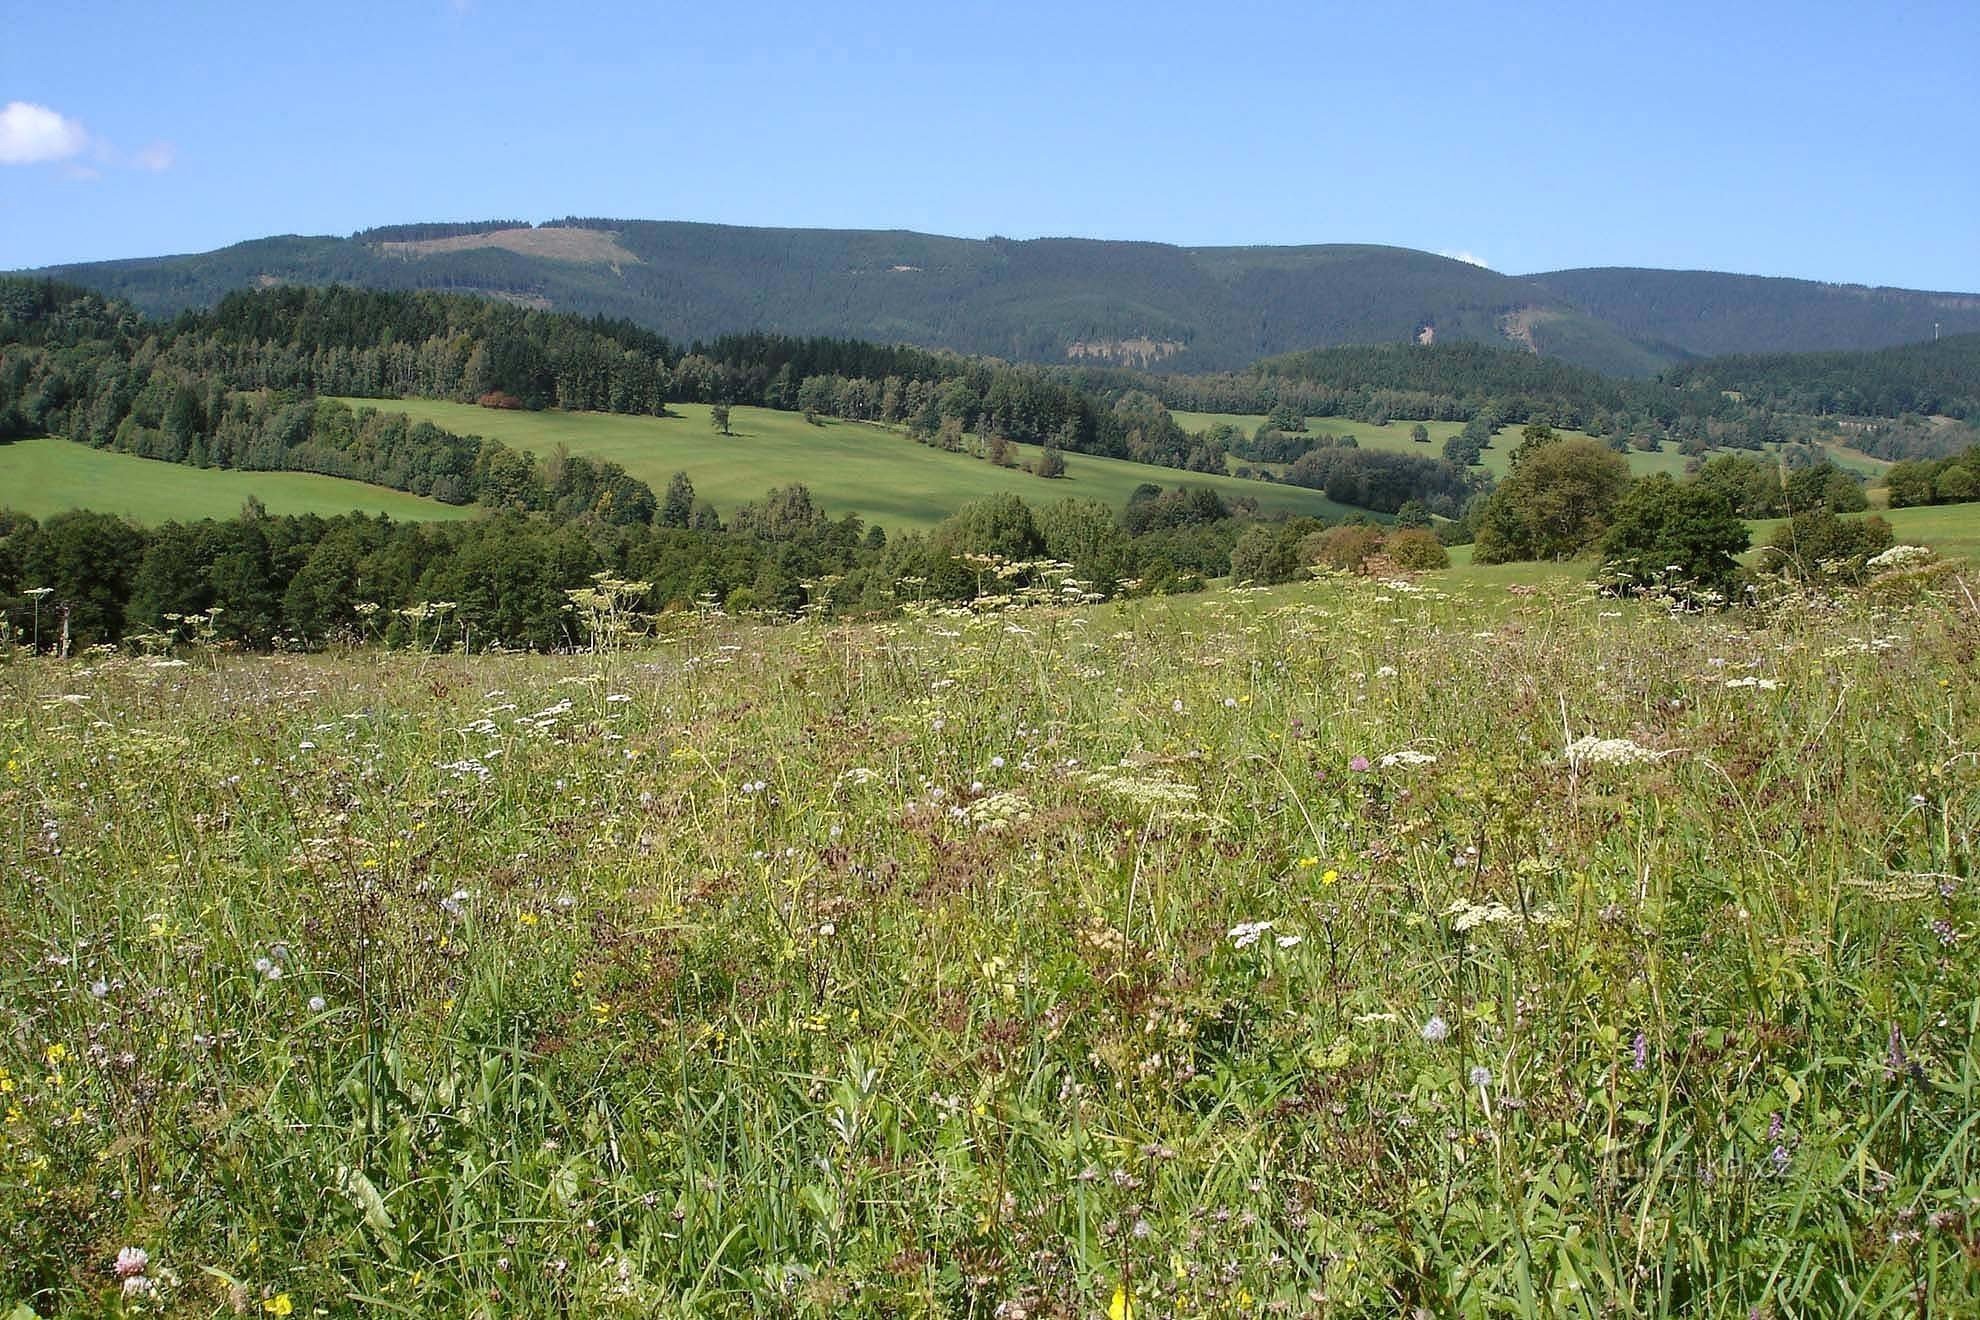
[
  {"x": 157, "y": 157},
  {"x": 1459, "y": 254},
  {"x": 33, "y": 134}
]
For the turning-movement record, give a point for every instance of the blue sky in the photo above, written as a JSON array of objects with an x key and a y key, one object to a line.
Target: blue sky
[{"x": 1821, "y": 140}]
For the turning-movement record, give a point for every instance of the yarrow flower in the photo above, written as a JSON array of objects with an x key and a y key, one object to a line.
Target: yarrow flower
[
  {"x": 1590, "y": 750},
  {"x": 1246, "y": 933},
  {"x": 1902, "y": 556},
  {"x": 1436, "y": 1030}
]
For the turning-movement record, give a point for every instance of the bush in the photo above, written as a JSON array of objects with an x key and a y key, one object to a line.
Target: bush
[
  {"x": 1663, "y": 532},
  {"x": 1417, "y": 550},
  {"x": 1264, "y": 554},
  {"x": 1343, "y": 548},
  {"x": 1817, "y": 545}
]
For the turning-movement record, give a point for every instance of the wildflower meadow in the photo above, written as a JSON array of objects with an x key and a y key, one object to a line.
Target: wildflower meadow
[{"x": 1360, "y": 948}]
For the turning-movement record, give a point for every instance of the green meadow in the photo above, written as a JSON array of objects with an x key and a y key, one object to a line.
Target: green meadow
[
  {"x": 1951, "y": 529},
  {"x": 1340, "y": 949},
  {"x": 1395, "y": 436},
  {"x": 50, "y": 475},
  {"x": 850, "y": 467}
]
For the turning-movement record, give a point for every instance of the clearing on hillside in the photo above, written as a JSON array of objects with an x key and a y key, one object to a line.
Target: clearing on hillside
[
  {"x": 850, "y": 467},
  {"x": 590, "y": 246},
  {"x": 50, "y": 475}
]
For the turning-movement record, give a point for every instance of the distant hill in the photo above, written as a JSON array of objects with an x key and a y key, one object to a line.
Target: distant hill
[
  {"x": 1695, "y": 313},
  {"x": 1044, "y": 300},
  {"x": 1145, "y": 305},
  {"x": 1939, "y": 377}
]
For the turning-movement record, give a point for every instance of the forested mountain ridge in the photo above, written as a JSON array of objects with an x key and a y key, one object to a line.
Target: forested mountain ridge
[
  {"x": 1148, "y": 305},
  {"x": 1939, "y": 377},
  {"x": 1697, "y": 313}
]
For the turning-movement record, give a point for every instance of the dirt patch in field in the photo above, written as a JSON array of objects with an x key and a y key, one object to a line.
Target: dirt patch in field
[{"x": 585, "y": 246}]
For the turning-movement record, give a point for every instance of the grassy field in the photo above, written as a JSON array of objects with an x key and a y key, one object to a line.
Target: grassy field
[
  {"x": 1951, "y": 529},
  {"x": 1332, "y": 950},
  {"x": 50, "y": 475},
  {"x": 1395, "y": 436},
  {"x": 849, "y": 466}
]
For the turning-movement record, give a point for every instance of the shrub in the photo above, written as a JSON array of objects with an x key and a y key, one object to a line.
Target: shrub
[
  {"x": 1818, "y": 545},
  {"x": 1417, "y": 549},
  {"x": 1344, "y": 548},
  {"x": 1661, "y": 531},
  {"x": 1264, "y": 554}
]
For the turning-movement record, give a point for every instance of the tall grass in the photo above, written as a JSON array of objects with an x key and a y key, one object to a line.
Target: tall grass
[{"x": 1618, "y": 964}]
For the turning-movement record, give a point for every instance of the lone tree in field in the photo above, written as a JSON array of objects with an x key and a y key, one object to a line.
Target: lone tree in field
[
  {"x": 1420, "y": 434},
  {"x": 1555, "y": 504},
  {"x": 1051, "y": 463},
  {"x": 718, "y": 417}
]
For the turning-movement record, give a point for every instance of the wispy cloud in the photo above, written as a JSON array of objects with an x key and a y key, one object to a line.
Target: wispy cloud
[
  {"x": 33, "y": 134},
  {"x": 157, "y": 157},
  {"x": 1459, "y": 254}
]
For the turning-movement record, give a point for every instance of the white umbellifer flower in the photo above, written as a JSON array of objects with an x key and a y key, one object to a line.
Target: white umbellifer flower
[
  {"x": 1289, "y": 941},
  {"x": 1469, "y": 916},
  {"x": 1246, "y": 933},
  {"x": 1408, "y": 756},
  {"x": 1902, "y": 556},
  {"x": 1762, "y": 684},
  {"x": 1436, "y": 1030},
  {"x": 1590, "y": 750}
]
